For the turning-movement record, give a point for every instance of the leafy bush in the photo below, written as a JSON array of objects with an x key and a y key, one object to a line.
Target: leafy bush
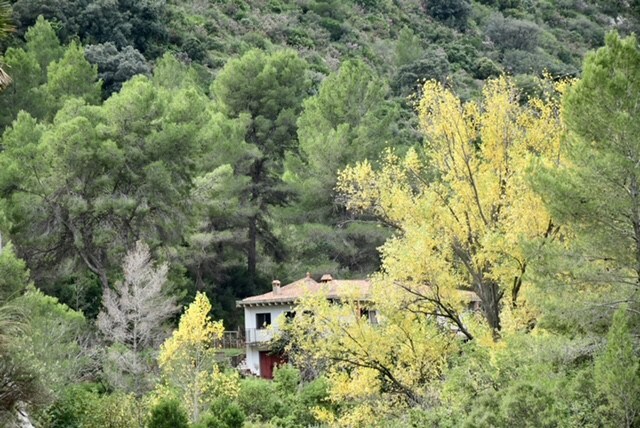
[
  {"x": 299, "y": 37},
  {"x": 509, "y": 33},
  {"x": 287, "y": 379},
  {"x": 116, "y": 66},
  {"x": 168, "y": 414},
  {"x": 141, "y": 24},
  {"x": 84, "y": 406},
  {"x": 485, "y": 68},
  {"x": 335, "y": 28},
  {"x": 453, "y": 13},
  {"x": 260, "y": 399},
  {"x": 116, "y": 410},
  {"x": 67, "y": 411},
  {"x": 433, "y": 66},
  {"x": 14, "y": 275},
  {"x": 523, "y": 62},
  {"x": 223, "y": 414}
]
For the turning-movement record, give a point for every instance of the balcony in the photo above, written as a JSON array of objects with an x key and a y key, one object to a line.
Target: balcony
[
  {"x": 259, "y": 335},
  {"x": 230, "y": 340}
]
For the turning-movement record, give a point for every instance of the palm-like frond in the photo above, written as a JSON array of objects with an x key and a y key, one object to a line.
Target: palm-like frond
[
  {"x": 6, "y": 28},
  {"x": 5, "y": 79}
]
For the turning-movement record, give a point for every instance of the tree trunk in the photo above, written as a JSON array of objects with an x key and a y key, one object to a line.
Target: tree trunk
[
  {"x": 252, "y": 248},
  {"x": 490, "y": 295},
  {"x": 256, "y": 199}
]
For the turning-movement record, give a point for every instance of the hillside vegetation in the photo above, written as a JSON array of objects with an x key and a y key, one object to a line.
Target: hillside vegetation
[{"x": 168, "y": 157}]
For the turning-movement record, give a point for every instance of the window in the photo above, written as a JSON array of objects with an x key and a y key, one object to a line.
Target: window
[
  {"x": 370, "y": 315},
  {"x": 263, "y": 320}
]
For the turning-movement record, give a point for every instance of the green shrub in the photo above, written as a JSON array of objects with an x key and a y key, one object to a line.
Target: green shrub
[
  {"x": 335, "y": 28},
  {"x": 299, "y": 37},
  {"x": 233, "y": 416},
  {"x": 259, "y": 398},
  {"x": 312, "y": 394},
  {"x": 84, "y": 406},
  {"x": 287, "y": 379},
  {"x": 508, "y": 33},
  {"x": 68, "y": 410},
  {"x": 114, "y": 411},
  {"x": 453, "y": 13},
  {"x": 168, "y": 414},
  {"x": 209, "y": 421},
  {"x": 433, "y": 66},
  {"x": 224, "y": 413},
  {"x": 485, "y": 68}
]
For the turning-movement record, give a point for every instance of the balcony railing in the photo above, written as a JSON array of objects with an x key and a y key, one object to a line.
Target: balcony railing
[
  {"x": 259, "y": 335},
  {"x": 230, "y": 340}
]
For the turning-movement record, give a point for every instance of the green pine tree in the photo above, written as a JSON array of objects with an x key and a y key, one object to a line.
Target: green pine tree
[{"x": 617, "y": 374}]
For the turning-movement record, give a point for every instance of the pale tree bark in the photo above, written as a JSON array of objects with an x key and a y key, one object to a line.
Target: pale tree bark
[{"x": 22, "y": 417}]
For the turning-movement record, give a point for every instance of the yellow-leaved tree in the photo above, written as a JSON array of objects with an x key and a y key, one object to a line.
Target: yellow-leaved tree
[
  {"x": 188, "y": 364},
  {"x": 462, "y": 204},
  {"x": 376, "y": 368}
]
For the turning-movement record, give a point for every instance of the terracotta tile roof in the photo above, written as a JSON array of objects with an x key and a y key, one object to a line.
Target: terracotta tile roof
[{"x": 290, "y": 293}]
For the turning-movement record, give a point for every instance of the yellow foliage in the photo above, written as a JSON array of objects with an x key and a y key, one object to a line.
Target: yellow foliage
[
  {"x": 373, "y": 369},
  {"x": 461, "y": 208},
  {"x": 195, "y": 330},
  {"x": 463, "y": 211},
  {"x": 187, "y": 360}
]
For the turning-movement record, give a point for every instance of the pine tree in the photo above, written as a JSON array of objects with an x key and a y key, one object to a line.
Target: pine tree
[
  {"x": 594, "y": 194},
  {"x": 267, "y": 90},
  {"x": 617, "y": 373}
]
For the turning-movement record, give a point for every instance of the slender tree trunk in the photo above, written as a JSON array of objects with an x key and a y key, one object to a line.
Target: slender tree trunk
[
  {"x": 252, "y": 248},
  {"x": 257, "y": 200}
]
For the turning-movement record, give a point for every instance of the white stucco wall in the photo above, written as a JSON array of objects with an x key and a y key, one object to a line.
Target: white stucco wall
[
  {"x": 275, "y": 311},
  {"x": 253, "y": 359},
  {"x": 253, "y": 351}
]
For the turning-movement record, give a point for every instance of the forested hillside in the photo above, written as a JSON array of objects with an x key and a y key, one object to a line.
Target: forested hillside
[
  {"x": 239, "y": 185},
  {"x": 163, "y": 155}
]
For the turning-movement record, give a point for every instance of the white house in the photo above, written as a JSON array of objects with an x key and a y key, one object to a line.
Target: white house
[{"x": 261, "y": 313}]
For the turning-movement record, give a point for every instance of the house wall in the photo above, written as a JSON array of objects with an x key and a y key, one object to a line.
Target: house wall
[
  {"x": 253, "y": 359},
  {"x": 253, "y": 355}
]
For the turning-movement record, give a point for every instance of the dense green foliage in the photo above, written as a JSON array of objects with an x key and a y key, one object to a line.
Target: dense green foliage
[
  {"x": 215, "y": 131},
  {"x": 168, "y": 414}
]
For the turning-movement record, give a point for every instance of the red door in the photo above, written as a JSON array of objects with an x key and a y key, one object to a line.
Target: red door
[{"x": 268, "y": 362}]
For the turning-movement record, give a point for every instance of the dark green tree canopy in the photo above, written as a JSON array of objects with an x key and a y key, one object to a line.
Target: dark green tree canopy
[
  {"x": 116, "y": 66},
  {"x": 267, "y": 91},
  {"x": 138, "y": 23},
  {"x": 99, "y": 178}
]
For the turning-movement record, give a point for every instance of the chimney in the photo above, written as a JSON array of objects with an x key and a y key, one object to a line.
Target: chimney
[
  {"x": 326, "y": 278},
  {"x": 276, "y": 286}
]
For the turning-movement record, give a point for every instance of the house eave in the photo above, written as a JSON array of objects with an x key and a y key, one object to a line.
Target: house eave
[
  {"x": 242, "y": 304},
  {"x": 291, "y": 302}
]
